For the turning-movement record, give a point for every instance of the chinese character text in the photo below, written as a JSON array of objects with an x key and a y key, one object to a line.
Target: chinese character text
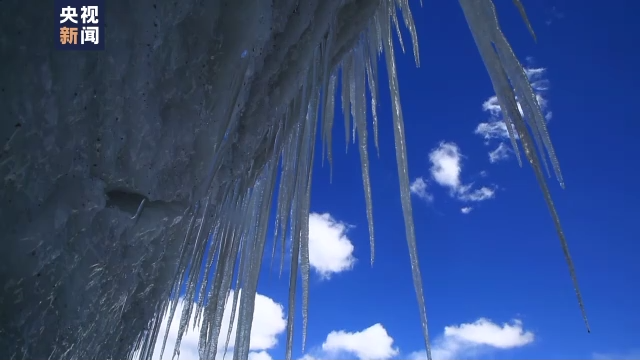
[
  {"x": 89, "y": 14},
  {"x": 68, "y": 14},
  {"x": 90, "y": 34},
  {"x": 68, "y": 35}
]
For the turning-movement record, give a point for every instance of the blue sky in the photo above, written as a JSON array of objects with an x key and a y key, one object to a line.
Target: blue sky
[{"x": 496, "y": 284}]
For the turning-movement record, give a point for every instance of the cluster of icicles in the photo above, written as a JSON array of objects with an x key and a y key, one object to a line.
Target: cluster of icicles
[{"x": 229, "y": 236}]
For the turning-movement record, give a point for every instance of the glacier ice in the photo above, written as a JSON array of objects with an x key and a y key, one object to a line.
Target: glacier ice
[{"x": 149, "y": 170}]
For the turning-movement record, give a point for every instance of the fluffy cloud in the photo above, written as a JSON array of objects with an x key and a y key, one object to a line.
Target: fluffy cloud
[
  {"x": 330, "y": 250},
  {"x": 268, "y": 322},
  {"x": 446, "y": 165},
  {"x": 419, "y": 188},
  {"x": 467, "y": 340},
  {"x": 466, "y": 210},
  {"x": 496, "y": 129},
  {"x": 446, "y": 168},
  {"x": 372, "y": 343},
  {"x": 457, "y": 342},
  {"x": 261, "y": 355}
]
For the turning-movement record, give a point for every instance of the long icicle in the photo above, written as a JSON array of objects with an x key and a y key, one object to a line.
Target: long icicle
[{"x": 401, "y": 159}]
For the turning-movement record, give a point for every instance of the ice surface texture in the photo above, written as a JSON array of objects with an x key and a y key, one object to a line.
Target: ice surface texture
[{"x": 123, "y": 171}]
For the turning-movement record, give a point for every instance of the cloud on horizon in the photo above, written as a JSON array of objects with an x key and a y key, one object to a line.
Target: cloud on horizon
[{"x": 461, "y": 341}]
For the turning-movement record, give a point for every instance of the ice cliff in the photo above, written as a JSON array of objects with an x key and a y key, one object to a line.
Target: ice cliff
[{"x": 119, "y": 167}]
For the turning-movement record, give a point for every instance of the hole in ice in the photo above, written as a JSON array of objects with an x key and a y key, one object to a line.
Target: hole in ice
[{"x": 126, "y": 201}]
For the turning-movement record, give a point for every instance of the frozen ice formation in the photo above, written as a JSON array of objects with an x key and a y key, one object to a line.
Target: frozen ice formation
[{"x": 149, "y": 170}]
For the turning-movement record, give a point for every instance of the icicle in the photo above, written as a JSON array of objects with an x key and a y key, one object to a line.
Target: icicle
[
  {"x": 178, "y": 275},
  {"x": 312, "y": 118},
  {"x": 293, "y": 277},
  {"x": 525, "y": 93},
  {"x": 501, "y": 85},
  {"x": 394, "y": 18},
  {"x": 245, "y": 263},
  {"x": 328, "y": 98},
  {"x": 346, "y": 66},
  {"x": 352, "y": 93},
  {"x": 483, "y": 23},
  {"x": 409, "y": 23},
  {"x": 361, "y": 125},
  {"x": 329, "y": 113},
  {"x": 217, "y": 297},
  {"x": 325, "y": 58},
  {"x": 372, "y": 76},
  {"x": 283, "y": 195},
  {"x": 216, "y": 246},
  {"x": 523, "y": 13},
  {"x": 256, "y": 236},
  {"x": 401, "y": 158}
]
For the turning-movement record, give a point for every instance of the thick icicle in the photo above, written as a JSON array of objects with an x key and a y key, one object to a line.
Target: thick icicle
[{"x": 305, "y": 267}]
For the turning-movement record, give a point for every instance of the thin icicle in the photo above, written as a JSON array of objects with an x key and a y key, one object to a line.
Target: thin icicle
[
  {"x": 396, "y": 25},
  {"x": 523, "y": 13},
  {"x": 352, "y": 93},
  {"x": 346, "y": 66},
  {"x": 372, "y": 76},
  {"x": 326, "y": 48},
  {"x": 328, "y": 121},
  {"x": 401, "y": 159},
  {"x": 411, "y": 26},
  {"x": 361, "y": 126}
]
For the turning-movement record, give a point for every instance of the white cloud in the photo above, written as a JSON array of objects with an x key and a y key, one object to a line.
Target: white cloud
[
  {"x": 467, "y": 340},
  {"x": 419, "y": 188},
  {"x": 500, "y": 153},
  {"x": 496, "y": 129},
  {"x": 330, "y": 250},
  {"x": 466, "y": 210},
  {"x": 308, "y": 357},
  {"x": 268, "y": 322},
  {"x": 445, "y": 165},
  {"x": 446, "y": 168},
  {"x": 371, "y": 343},
  {"x": 492, "y": 129},
  {"x": 462, "y": 341},
  {"x": 261, "y": 355},
  {"x": 482, "y": 194}
]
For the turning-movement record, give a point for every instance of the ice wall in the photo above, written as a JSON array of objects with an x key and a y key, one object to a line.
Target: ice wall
[
  {"x": 89, "y": 135},
  {"x": 118, "y": 165}
]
